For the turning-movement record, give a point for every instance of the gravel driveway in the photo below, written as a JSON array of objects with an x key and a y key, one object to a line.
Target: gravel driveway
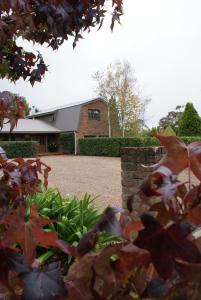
[
  {"x": 76, "y": 175},
  {"x": 98, "y": 176}
]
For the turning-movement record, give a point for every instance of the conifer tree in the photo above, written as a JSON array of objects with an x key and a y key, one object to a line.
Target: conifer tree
[{"x": 190, "y": 122}]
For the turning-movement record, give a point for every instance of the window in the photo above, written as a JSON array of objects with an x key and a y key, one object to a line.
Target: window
[{"x": 94, "y": 114}]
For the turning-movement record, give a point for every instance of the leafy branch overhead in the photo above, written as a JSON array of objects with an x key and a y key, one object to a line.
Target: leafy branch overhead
[{"x": 45, "y": 22}]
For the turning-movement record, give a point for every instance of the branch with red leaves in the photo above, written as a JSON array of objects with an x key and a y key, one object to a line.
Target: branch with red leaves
[
  {"x": 51, "y": 22},
  {"x": 12, "y": 108}
]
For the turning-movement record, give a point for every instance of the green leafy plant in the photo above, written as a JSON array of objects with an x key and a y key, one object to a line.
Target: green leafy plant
[
  {"x": 45, "y": 22},
  {"x": 74, "y": 217}
]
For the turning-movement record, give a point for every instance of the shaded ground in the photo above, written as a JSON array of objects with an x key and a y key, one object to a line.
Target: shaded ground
[{"x": 76, "y": 175}]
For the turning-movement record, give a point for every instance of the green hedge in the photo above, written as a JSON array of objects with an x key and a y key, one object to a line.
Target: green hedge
[
  {"x": 112, "y": 146},
  {"x": 67, "y": 140},
  {"x": 20, "y": 149},
  {"x": 190, "y": 139}
]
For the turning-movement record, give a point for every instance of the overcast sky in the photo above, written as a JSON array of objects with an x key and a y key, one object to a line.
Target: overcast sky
[{"x": 160, "y": 38}]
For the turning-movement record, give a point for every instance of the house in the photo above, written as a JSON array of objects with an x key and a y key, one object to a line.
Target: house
[
  {"x": 85, "y": 119},
  {"x": 31, "y": 130}
]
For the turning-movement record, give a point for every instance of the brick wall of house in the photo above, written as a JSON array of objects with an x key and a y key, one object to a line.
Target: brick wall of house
[
  {"x": 133, "y": 173},
  {"x": 89, "y": 127}
]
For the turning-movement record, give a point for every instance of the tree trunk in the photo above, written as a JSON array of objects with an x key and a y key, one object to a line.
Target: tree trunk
[{"x": 109, "y": 121}]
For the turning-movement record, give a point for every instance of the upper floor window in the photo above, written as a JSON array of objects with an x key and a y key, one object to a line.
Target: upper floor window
[{"x": 94, "y": 114}]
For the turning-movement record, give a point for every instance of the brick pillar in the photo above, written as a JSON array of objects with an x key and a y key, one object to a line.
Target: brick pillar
[{"x": 133, "y": 173}]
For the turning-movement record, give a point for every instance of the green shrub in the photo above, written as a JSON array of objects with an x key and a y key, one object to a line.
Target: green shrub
[
  {"x": 67, "y": 140},
  {"x": 20, "y": 149},
  {"x": 74, "y": 217},
  {"x": 190, "y": 139},
  {"x": 112, "y": 146},
  {"x": 190, "y": 122}
]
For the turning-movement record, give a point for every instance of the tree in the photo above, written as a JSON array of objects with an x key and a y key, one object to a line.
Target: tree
[
  {"x": 26, "y": 104},
  {"x": 45, "y": 22},
  {"x": 118, "y": 84},
  {"x": 172, "y": 119},
  {"x": 27, "y": 108},
  {"x": 168, "y": 131},
  {"x": 152, "y": 131},
  {"x": 114, "y": 118},
  {"x": 106, "y": 92},
  {"x": 190, "y": 122}
]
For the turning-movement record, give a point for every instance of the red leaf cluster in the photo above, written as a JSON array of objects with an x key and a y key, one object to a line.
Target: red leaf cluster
[
  {"x": 12, "y": 109},
  {"x": 51, "y": 22},
  {"x": 21, "y": 176}
]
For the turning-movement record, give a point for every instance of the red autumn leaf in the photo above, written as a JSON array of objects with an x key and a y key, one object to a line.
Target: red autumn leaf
[
  {"x": 187, "y": 271},
  {"x": 130, "y": 226},
  {"x": 27, "y": 234},
  {"x": 176, "y": 151},
  {"x": 22, "y": 175},
  {"x": 151, "y": 184},
  {"x": 12, "y": 108},
  {"x": 129, "y": 257},
  {"x": 80, "y": 278},
  {"x": 164, "y": 216},
  {"x": 192, "y": 197},
  {"x": 167, "y": 245},
  {"x": 194, "y": 215},
  {"x": 184, "y": 156},
  {"x": 195, "y": 158},
  {"x": 104, "y": 273},
  {"x": 162, "y": 183},
  {"x": 108, "y": 223},
  {"x": 87, "y": 242}
]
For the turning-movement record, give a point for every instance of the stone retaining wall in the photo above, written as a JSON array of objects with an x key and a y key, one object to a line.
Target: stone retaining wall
[{"x": 132, "y": 171}]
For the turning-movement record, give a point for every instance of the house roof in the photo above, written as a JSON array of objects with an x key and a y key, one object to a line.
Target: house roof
[
  {"x": 30, "y": 126},
  {"x": 73, "y": 105}
]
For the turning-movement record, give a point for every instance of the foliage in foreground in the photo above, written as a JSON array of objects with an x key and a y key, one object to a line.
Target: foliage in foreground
[
  {"x": 159, "y": 255},
  {"x": 74, "y": 217},
  {"x": 45, "y": 22}
]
